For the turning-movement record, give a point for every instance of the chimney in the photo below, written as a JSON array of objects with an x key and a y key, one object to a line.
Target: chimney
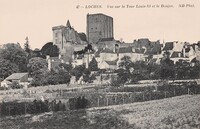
[
  {"x": 49, "y": 64},
  {"x": 133, "y": 50},
  {"x": 179, "y": 54},
  {"x": 47, "y": 57},
  {"x": 183, "y": 51},
  {"x": 59, "y": 56}
]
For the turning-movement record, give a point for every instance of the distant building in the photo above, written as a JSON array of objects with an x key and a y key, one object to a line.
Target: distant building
[
  {"x": 54, "y": 62},
  {"x": 108, "y": 65},
  {"x": 99, "y": 27},
  {"x": 68, "y": 40},
  {"x": 63, "y": 34}
]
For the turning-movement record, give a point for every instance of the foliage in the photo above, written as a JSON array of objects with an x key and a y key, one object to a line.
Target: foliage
[
  {"x": 78, "y": 71},
  {"x": 184, "y": 70},
  {"x": 15, "y": 54},
  {"x": 67, "y": 67},
  {"x": 167, "y": 69},
  {"x": 82, "y": 36},
  {"x": 93, "y": 65},
  {"x": 35, "y": 64},
  {"x": 27, "y": 46},
  {"x": 153, "y": 71},
  {"x": 16, "y": 85},
  {"x": 49, "y": 49},
  {"x": 126, "y": 63},
  {"x": 60, "y": 76},
  {"x": 7, "y": 68},
  {"x": 86, "y": 75},
  {"x": 38, "y": 70}
]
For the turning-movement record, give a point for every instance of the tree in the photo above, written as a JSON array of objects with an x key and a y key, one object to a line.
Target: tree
[
  {"x": 38, "y": 70},
  {"x": 49, "y": 49},
  {"x": 86, "y": 75},
  {"x": 15, "y": 54},
  {"x": 16, "y": 85},
  {"x": 167, "y": 69},
  {"x": 153, "y": 71},
  {"x": 67, "y": 67},
  {"x": 181, "y": 69},
  {"x": 78, "y": 71},
  {"x": 7, "y": 68},
  {"x": 195, "y": 71},
  {"x": 83, "y": 36},
  {"x": 93, "y": 65},
  {"x": 58, "y": 77},
  {"x": 126, "y": 63},
  {"x": 27, "y": 46}
]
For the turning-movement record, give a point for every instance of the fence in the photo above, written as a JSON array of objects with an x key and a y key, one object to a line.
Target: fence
[{"x": 83, "y": 99}]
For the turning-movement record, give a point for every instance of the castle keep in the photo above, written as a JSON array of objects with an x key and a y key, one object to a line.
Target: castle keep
[{"x": 99, "y": 27}]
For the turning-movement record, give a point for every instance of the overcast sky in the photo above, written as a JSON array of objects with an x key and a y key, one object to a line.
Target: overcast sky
[{"x": 35, "y": 19}]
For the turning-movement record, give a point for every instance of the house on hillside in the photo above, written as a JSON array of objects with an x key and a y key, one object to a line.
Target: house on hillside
[
  {"x": 108, "y": 55},
  {"x": 134, "y": 54},
  {"x": 108, "y": 65},
  {"x": 176, "y": 56},
  {"x": 168, "y": 48},
  {"x": 53, "y": 62},
  {"x": 189, "y": 51},
  {"x": 21, "y": 78}
]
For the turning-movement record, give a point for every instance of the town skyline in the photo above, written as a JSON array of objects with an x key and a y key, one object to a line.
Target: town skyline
[{"x": 36, "y": 19}]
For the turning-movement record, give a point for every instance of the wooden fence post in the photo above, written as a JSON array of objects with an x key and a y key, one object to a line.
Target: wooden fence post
[
  {"x": 188, "y": 91},
  {"x": 115, "y": 100},
  {"x": 107, "y": 101},
  {"x": 98, "y": 101},
  {"x": 174, "y": 92},
  {"x": 143, "y": 96},
  {"x": 122, "y": 98},
  {"x": 165, "y": 94},
  {"x": 25, "y": 108},
  {"x": 150, "y": 96},
  {"x": 9, "y": 109},
  {"x": 131, "y": 96}
]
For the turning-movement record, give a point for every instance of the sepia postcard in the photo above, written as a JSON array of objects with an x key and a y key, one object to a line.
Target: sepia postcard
[{"x": 109, "y": 64}]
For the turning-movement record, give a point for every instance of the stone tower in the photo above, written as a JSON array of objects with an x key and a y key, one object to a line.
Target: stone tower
[{"x": 99, "y": 27}]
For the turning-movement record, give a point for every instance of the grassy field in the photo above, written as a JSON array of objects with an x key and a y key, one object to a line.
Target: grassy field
[{"x": 182, "y": 112}]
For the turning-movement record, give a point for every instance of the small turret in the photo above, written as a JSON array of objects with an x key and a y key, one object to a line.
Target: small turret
[{"x": 68, "y": 24}]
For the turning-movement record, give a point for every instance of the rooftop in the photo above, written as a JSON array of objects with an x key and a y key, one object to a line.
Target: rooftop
[
  {"x": 106, "y": 50},
  {"x": 16, "y": 76},
  {"x": 98, "y": 14},
  {"x": 111, "y": 62},
  {"x": 125, "y": 50},
  {"x": 177, "y": 55}
]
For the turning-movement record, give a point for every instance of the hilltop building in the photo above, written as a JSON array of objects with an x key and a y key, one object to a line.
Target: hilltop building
[
  {"x": 68, "y": 40},
  {"x": 99, "y": 27}
]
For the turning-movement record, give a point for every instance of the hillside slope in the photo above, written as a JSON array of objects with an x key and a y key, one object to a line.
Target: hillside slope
[{"x": 178, "y": 112}]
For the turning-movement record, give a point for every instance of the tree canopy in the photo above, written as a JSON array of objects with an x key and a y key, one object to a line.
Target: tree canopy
[
  {"x": 93, "y": 65},
  {"x": 49, "y": 49},
  {"x": 15, "y": 54}
]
